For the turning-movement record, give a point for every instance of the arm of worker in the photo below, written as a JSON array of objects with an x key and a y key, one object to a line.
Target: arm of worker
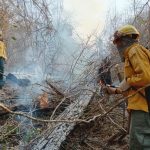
[{"x": 123, "y": 87}]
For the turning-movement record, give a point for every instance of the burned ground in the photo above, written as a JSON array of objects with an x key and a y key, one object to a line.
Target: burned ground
[{"x": 99, "y": 133}]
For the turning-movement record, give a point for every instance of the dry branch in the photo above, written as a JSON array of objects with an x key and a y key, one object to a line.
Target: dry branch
[
  {"x": 55, "y": 89},
  {"x": 121, "y": 100}
]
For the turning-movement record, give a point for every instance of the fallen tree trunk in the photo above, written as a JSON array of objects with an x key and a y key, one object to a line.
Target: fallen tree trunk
[{"x": 56, "y": 134}]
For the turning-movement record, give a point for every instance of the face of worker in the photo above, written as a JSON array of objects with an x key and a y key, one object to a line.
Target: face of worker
[
  {"x": 1, "y": 39},
  {"x": 121, "y": 47}
]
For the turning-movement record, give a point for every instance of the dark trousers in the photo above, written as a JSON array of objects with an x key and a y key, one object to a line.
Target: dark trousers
[
  {"x": 140, "y": 130},
  {"x": 1, "y": 71}
]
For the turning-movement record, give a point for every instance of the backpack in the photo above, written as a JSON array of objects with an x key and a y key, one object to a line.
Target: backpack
[{"x": 147, "y": 89}]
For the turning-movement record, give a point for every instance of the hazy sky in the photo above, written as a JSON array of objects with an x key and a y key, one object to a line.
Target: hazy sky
[{"x": 88, "y": 15}]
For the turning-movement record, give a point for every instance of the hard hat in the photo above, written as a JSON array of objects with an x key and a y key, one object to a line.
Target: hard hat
[{"x": 124, "y": 31}]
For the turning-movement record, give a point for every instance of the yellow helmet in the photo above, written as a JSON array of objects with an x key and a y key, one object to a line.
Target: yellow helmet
[{"x": 125, "y": 30}]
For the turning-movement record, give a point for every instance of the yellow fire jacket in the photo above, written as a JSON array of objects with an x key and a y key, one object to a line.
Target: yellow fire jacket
[
  {"x": 137, "y": 73},
  {"x": 3, "y": 50}
]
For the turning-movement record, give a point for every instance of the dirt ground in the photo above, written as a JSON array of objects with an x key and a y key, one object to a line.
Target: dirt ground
[{"x": 97, "y": 135}]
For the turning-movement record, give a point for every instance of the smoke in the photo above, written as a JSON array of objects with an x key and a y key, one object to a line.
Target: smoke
[
  {"x": 47, "y": 48},
  {"x": 87, "y": 19}
]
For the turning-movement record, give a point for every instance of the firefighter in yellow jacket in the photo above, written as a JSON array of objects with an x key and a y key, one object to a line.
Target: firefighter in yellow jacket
[
  {"x": 136, "y": 75},
  {"x": 3, "y": 58}
]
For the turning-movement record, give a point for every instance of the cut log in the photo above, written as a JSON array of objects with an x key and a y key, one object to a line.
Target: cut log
[
  {"x": 43, "y": 100},
  {"x": 56, "y": 134}
]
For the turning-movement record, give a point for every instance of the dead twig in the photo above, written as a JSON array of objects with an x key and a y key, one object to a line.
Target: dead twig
[{"x": 117, "y": 125}]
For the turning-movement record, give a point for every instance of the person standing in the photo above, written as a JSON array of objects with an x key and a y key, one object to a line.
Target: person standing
[
  {"x": 136, "y": 75},
  {"x": 3, "y": 57}
]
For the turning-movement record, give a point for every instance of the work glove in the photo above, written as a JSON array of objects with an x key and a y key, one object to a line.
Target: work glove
[
  {"x": 123, "y": 87},
  {"x": 111, "y": 90}
]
